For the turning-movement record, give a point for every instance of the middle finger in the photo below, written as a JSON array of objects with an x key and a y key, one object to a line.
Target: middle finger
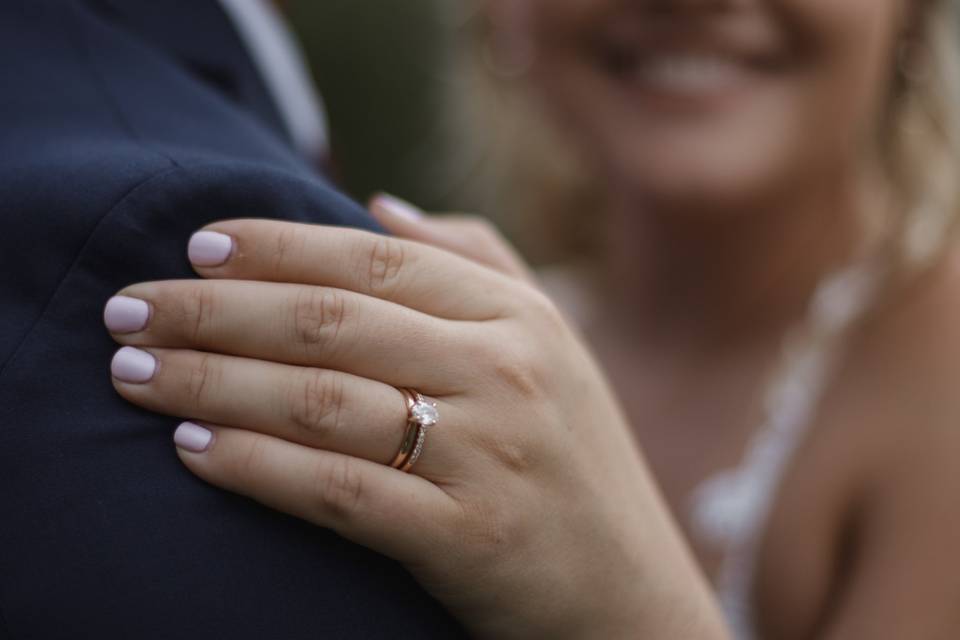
[{"x": 293, "y": 324}]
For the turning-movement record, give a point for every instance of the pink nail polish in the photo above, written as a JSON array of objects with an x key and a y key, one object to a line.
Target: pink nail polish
[
  {"x": 399, "y": 208},
  {"x": 125, "y": 315},
  {"x": 192, "y": 437},
  {"x": 209, "y": 248},
  {"x": 133, "y": 366}
]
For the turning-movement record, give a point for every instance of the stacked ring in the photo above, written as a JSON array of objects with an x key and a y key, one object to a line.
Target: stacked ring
[{"x": 421, "y": 415}]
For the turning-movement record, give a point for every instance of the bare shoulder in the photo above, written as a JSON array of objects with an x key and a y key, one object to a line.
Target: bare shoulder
[
  {"x": 902, "y": 429},
  {"x": 908, "y": 355},
  {"x": 870, "y": 501},
  {"x": 901, "y": 383}
]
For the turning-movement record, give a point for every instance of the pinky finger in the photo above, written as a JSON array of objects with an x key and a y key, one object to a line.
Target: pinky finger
[{"x": 368, "y": 503}]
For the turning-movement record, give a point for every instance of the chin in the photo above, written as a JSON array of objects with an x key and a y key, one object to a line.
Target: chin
[{"x": 700, "y": 177}]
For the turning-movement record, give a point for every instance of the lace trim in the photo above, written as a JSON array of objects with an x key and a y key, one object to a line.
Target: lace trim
[{"x": 730, "y": 509}]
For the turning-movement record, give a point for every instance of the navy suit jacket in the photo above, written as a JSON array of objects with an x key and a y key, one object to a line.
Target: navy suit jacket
[{"x": 124, "y": 126}]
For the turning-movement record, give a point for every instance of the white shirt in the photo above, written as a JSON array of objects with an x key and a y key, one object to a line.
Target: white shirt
[{"x": 277, "y": 57}]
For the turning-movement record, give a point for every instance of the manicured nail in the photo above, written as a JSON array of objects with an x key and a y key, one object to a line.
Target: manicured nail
[
  {"x": 133, "y": 366},
  {"x": 209, "y": 248},
  {"x": 126, "y": 315},
  {"x": 396, "y": 207},
  {"x": 192, "y": 437}
]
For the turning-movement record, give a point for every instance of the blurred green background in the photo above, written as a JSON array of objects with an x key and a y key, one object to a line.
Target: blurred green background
[
  {"x": 383, "y": 68},
  {"x": 411, "y": 114}
]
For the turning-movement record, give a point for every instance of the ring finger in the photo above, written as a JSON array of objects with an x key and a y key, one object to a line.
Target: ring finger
[{"x": 319, "y": 408}]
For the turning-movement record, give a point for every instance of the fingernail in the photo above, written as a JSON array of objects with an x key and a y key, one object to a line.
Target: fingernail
[
  {"x": 133, "y": 365},
  {"x": 209, "y": 248},
  {"x": 396, "y": 207},
  {"x": 125, "y": 315},
  {"x": 192, "y": 437}
]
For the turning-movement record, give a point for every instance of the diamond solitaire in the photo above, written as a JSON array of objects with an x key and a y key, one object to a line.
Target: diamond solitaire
[{"x": 424, "y": 414}]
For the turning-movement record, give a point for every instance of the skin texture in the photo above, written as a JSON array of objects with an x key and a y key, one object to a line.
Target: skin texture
[{"x": 728, "y": 207}]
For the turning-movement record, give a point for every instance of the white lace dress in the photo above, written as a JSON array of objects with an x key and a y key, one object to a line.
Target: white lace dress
[{"x": 730, "y": 509}]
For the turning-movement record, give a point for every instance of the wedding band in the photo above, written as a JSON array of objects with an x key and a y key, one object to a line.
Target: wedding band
[
  {"x": 410, "y": 436},
  {"x": 421, "y": 415}
]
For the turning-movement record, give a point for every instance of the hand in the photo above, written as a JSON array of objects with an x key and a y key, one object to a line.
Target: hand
[{"x": 530, "y": 512}]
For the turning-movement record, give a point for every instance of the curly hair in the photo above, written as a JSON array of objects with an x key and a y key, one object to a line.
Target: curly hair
[{"x": 921, "y": 141}]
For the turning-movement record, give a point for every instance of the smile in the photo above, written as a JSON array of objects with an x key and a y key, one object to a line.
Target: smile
[{"x": 688, "y": 73}]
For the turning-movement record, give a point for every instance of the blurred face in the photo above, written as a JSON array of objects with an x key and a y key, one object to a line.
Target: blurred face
[{"x": 713, "y": 102}]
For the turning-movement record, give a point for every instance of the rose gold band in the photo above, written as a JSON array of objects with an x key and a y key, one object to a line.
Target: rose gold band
[
  {"x": 410, "y": 436},
  {"x": 417, "y": 449}
]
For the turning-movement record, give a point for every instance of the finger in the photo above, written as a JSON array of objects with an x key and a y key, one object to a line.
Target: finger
[
  {"x": 469, "y": 236},
  {"x": 412, "y": 274},
  {"x": 296, "y": 324},
  {"x": 397, "y": 514},
  {"x": 318, "y": 408}
]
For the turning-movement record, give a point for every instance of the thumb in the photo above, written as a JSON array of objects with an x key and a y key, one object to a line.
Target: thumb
[{"x": 471, "y": 237}]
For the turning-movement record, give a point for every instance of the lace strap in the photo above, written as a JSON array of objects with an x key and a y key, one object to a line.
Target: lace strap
[{"x": 730, "y": 509}]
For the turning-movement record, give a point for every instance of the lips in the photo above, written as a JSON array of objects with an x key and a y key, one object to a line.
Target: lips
[{"x": 687, "y": 58}]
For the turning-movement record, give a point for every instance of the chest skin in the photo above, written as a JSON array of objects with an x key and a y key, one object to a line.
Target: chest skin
[
  {"x": 698, "y": 424},
  {"x": 860, "y": 539},
  {"x": 871, "y": 423}
]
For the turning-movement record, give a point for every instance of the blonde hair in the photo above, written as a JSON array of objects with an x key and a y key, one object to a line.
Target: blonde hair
[
  {"x": 516, "y": 167},
  {"x": 532, "y": 183},
  {"x": 922, "y": 145}
]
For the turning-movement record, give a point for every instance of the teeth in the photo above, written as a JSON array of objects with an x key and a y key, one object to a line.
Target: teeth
[{"x": 689, "y": 73}]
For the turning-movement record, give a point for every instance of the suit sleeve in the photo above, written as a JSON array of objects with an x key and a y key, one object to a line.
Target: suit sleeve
[{"x": 109, "y": 160}]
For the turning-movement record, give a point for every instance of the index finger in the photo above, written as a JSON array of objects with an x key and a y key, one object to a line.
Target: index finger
[{"x": 415, "y": 275}]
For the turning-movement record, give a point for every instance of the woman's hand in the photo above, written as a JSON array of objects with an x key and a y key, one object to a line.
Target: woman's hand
[{"x": 530, "y": 512}]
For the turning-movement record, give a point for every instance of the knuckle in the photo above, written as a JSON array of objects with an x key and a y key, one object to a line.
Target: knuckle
[
  {"x": 520, "y": 371},
  {"x": 339, "y": 488},
  {"x": 509, "y": 361},
  {"x": 319, "y": 316},
  {"x": 510, "y": 453},
  {"x": 546, "y": 315},
  {"x": 287, "y": 248},
  {"x": 387, "y": 258},
  {"x": 201, "y": 381},
  {"x": 251, "y": 463},
  {"x": 513, "y": 455},
  {"x": 317, "y": 408},
  {"x": 199, "y": 307}
]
